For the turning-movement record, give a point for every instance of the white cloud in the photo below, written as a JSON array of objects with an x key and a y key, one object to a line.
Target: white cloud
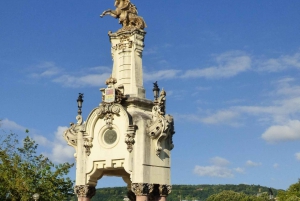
[
  {"x": 213, "y": 171},
  {"x": 276, "y": 165},
  {"x": 41, "y": 140},
  {"x": 297, "y": 155},
  {"x": 46, "y": 69},
  {"x": 281, "y": 63},
  {"x": 219, "y": 168},
  {"x": 11, "y": 125},
  {"x": 250, "y": 163},
  {"x": 161, "y": 75},
  {"x": 218, "y": 161},
  {"x": 239, "y": 170},
  {"x": 229, "y": 64},
  {"x": 224, "y": 116},
  {"x": 278, "y": 133},
  {"x": 82, "y": 81},
  {"x": 57, "y": 150},
  {"x": 61, "y": 152},
  {"x": 93, "y": 76}
]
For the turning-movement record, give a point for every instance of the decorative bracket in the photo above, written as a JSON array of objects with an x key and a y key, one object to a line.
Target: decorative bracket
[
  {"x": 88, "y": 145},
  {"x": 129, "y": 140}
]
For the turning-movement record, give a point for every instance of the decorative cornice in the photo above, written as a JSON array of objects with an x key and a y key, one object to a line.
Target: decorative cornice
[
  {"x": 85, "y": 191},
  {"x": 142, "y": 189}
]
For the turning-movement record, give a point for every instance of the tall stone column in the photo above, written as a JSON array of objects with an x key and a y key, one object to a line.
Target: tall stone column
[
  {"x": 142, "y": 191},
  {"x": 85, "y": 192},
  {"x": 127, "y": 48}
]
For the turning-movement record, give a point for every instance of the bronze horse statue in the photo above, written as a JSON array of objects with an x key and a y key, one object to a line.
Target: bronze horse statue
[{"x": 127, "y": 14}]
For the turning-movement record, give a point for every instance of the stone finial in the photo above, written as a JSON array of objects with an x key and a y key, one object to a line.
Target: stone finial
[{"x": 127, "y": 14}]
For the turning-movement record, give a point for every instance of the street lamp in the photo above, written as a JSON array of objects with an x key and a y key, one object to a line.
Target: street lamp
[
  {"x": 36, "y": 196},
  {"x": 79, "y": 102},
  {"x": 155, "y": 90}
]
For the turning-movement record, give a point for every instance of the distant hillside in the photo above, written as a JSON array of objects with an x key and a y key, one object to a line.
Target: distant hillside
[{"x": 186, "y": 192}]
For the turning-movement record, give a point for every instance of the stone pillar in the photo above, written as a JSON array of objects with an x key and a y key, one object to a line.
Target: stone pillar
[
  {"x": 142, "y": 190},
  {"x": 84, "y": 192},
  {"x": 127, "y": 48}
]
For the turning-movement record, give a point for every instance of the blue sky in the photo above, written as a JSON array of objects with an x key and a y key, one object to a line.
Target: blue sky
[{"x": 230, "y": 68}]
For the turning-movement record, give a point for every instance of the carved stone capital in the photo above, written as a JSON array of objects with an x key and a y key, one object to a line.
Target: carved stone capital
[
  {"x": 85, "y": 191},
  {"x": 164, "y": 190},
  {"x": 142, "y": 189}
]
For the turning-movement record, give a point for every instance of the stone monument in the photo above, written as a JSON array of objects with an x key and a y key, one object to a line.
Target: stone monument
[{"x": 127, "y": 135}]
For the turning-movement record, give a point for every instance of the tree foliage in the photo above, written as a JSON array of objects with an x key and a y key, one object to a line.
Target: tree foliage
[
  {"x": 23, "y": 172},
  {"x": 291, "y": 194},
  {"x": 235, "y": 196}
]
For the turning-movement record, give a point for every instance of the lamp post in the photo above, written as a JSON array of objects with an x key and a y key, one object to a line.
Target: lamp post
[
  {"x": 36, "y": 196},
  {"x": 155, "y": 90},
  {"x": 79, "y": 102}
]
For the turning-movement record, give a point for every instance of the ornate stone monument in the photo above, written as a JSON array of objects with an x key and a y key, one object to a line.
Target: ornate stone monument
[{"x": 127, "y": 135}]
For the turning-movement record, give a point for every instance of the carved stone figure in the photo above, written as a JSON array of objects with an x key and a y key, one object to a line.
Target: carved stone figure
[{"x": 127, "y": 14}]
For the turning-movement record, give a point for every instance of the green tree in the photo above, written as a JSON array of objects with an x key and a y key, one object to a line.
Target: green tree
[
  {"x": 23, "y": 172},
  {"x": 234, "y": 196},
  {"x": 292, "y": 193},
  {"x": 227, "y": 196}
]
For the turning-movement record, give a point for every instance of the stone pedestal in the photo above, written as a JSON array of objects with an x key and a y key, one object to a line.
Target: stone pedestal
[{"x": 127, "y": 48}]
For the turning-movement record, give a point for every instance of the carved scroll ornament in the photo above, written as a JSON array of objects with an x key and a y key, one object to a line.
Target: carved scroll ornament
[
  {"x": 161, "y": 126},
  {"x": 71, "y": 133}
]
